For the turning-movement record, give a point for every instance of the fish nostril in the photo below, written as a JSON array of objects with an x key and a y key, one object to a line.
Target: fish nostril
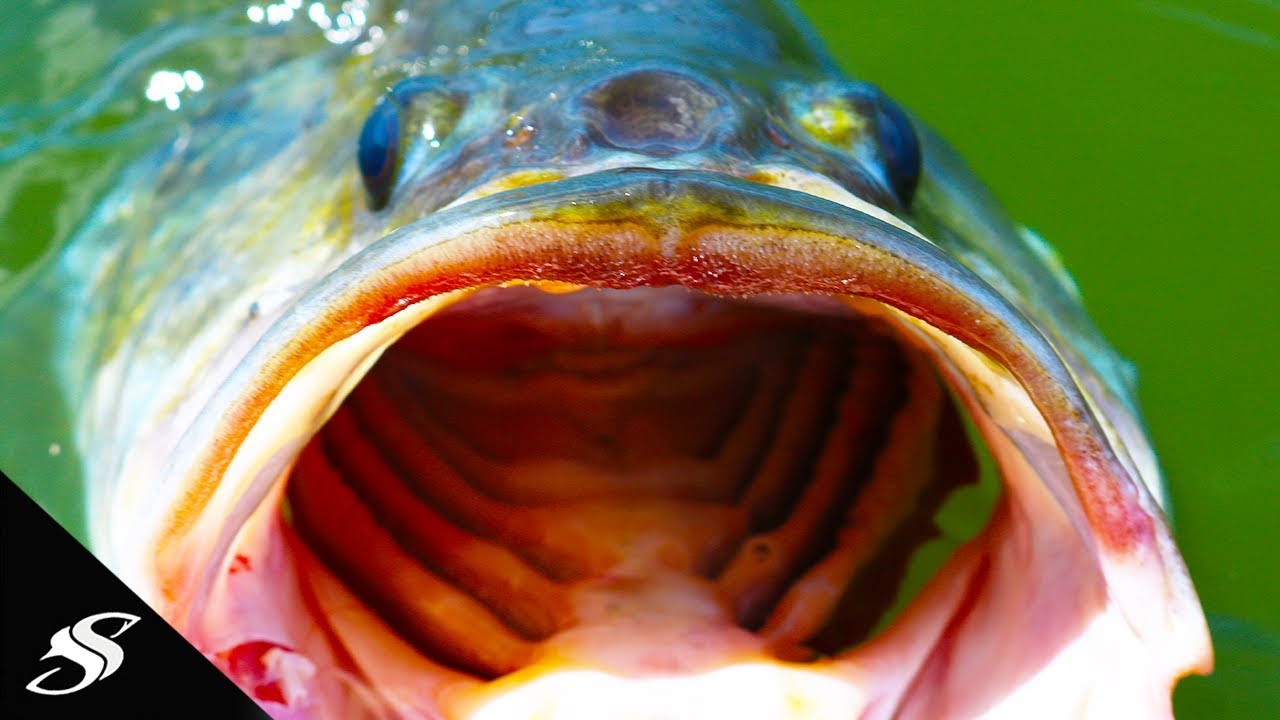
[{"x": 653, "y": 111}]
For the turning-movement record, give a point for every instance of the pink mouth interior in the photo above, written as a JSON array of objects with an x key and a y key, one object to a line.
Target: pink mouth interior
[{"x": 644, "y": 483}]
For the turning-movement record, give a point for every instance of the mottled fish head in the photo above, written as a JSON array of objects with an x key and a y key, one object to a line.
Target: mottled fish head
[{"x": 639, "y": 364}]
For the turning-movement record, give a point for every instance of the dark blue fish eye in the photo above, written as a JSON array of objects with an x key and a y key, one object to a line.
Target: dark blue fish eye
[
  {"x": 859, "y": 120},
  {"x": 899, "y": 148},
  {"x": 378, "y": 151}
]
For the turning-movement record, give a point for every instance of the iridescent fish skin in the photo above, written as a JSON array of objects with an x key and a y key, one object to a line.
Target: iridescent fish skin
[{"x": 221, "y": 302}]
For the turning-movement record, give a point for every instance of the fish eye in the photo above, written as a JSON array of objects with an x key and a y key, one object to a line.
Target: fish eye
[
  {"x": 860, "y": 119},
  {"x": 413, "y": 106},
  {"x": 899, "y": 147},
  {"x": 378, "y": 152}
]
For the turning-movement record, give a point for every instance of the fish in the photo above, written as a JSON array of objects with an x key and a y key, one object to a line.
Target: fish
[{"x": 597, "y": 359}]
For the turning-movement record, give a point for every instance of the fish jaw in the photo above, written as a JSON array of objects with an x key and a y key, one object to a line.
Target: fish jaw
[{"x": 1072, "y": 602}]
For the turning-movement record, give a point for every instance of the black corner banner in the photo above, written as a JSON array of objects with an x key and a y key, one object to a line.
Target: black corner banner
[{"x": 78, "y": 643}]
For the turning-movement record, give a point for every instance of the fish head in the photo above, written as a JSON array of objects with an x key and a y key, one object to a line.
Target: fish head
[{"x": 610, "y": 380}]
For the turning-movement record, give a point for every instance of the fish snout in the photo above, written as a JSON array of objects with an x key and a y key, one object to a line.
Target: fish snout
[{"x": 655, "y": 112}]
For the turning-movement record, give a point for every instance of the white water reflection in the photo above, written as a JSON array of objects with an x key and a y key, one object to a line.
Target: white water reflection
[
  {"x": 349, "y": 23},
  {"x": 168, "y": 86}
]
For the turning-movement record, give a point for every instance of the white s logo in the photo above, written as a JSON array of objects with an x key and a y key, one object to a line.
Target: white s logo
[{"x": 96, "y": 655}]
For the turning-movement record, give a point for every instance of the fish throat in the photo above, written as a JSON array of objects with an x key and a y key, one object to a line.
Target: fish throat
[{"x": 602, "y": 475}]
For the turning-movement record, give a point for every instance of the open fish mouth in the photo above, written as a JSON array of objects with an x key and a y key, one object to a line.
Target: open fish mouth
[{"x": 651, "y": 443}]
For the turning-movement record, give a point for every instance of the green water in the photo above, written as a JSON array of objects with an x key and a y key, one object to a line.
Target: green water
[{"x": 1138, "y": 137}]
